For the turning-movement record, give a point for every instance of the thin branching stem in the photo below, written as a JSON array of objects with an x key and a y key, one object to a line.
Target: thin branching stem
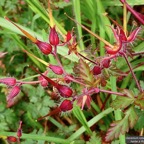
[
  {"x": 28, "y": 82},
  {"x": 131, "y": 70},
  {"x": 87, "y": 58},
  {"x": 58, "y": 60},
  {"x": 112, "y": 92},
  {"x": 95, "y": 35},
  {"x": 137, "y": 53}
]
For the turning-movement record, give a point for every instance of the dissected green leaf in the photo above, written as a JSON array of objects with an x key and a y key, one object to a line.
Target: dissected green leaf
[
  {"x": 122, "y": 126},
  {"x": 86, "y": 74},
  {"x": 30, "y": 121},
  {"x": 85, "y": 71},
  {"x": 140, "y": 101},
  {"x": 142, "y": 84},
  {"x": 132, "y": 116},
  {"x": 139, "y": 124},
  {"x": 129, "y": 93},
  {"x": 122, "y": 102},
  {"x": 116, "y": 129},
  {"x": 94, "y": 139}
]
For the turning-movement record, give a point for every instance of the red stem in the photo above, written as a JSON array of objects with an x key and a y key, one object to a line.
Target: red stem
[
  {"x": 28, "y": 82},
  {"x": 111, "y": 92},
  {"x": 137, "y": 53},
  {"x": 136, "y": 14},
  {"x": 59, "y": 62},
  {"x": 55, "y": 111},
  {"x": 48, "y": 79},
  {"x": 131, "y": 70},
  {"x": 87, "y": 59},
  {"x": 103, "y": 106}
]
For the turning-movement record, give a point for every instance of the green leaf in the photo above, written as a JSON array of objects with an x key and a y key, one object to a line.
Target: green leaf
[
  {"x": 4, "y": 126},
  {"x": 122, "y": 126},
  {"x": 142, "y": 84},
  {"x": 117, "y": 2},
  {"x": 36, "y": 6},
  {"x": 123, "y": 102},
  {"x": 38, "y": 137},
  {"x": 80, "y": 116},
  {"x": 91, "y": 122},
  {"x": 85, "y": 73},
  {"x": 139, "y": 124},
  {"x": 140, "y": 101},
  {"x": 30, "y": 121},
  {"x": 94, "y": 139},
  {"x": 132, "y": 116}
]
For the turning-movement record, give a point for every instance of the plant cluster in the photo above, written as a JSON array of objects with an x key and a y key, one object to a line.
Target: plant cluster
[{"x": 92, "y": 75}]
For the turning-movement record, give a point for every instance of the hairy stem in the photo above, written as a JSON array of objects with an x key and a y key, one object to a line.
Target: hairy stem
[
  {"x": 112, "y": 92},
  {"x": 137, "y": 53},
  {"x": 76, "y": 81},
  {"x": 58, "y": 60},
  {"x": 28, "y": 82}
]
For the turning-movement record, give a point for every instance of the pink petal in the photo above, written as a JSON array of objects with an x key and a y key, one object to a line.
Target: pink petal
[{"x": 133, "y": 35}]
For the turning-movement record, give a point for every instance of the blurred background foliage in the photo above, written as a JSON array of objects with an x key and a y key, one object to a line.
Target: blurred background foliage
[{"x": 34, "y": 101}]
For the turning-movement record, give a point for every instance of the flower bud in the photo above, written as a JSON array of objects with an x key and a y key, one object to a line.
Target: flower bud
[
  {"x": 67, "y": 78},
  {"x": 96, "y": 70},
  {"x": 56, "y": 69},
  {"x": 10, "y": 103},
  {"x": 53, "y": 37},
  {"x": 106, "y": 63},
  {"x": 19, "y": 131},
  {"x": 43, "y": 81},
  {"x": 66, "y": 105},
  {"x": 64, "y": 91},
  {"x": 45, "y": 47},
  {"x": 14, "y": 91},
  {"x": 68, "y": 36},
  {"x": 8, "y": 81},
  {"x": 12, "y": 139}
]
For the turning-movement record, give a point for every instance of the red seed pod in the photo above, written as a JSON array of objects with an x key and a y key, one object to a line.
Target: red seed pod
[
  {"x": 14, "y": 92},
  {"x": 56, "y": 69},
  {"x": 66, "y": 105},
  {"x": 45, "y": 47},
  {"x": 106, "y": 63},
  {"x": 53, "y": 37},
  {"x": 64, "y": 91},
  {"x": 8, "y": 81},
  {"x": 12, "y": 139},
  {"x": 96, "y": 70}
]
